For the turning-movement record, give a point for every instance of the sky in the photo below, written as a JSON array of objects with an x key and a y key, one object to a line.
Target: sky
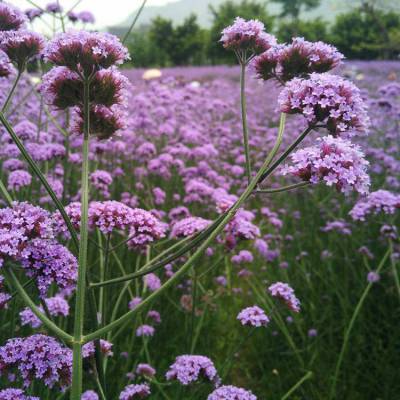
[{"x": 106, "y": 12}]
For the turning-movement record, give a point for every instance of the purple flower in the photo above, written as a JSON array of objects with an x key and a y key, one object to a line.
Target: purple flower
[
  {"x": 6, "y": 68},
  {"x": 244, "y": 256},
  {"x": 189, "y": 226},
  {"x": 340, "y": 226},
  {"x": 11, "y": 18},
  {"x": 90, "y": 395},
  {"x": 327, "y": 99},
  {"x": 38, "y": 357},
  {"x": 19, "y": 179},
  {"x": 188, "y": 369},
  {"x": 373, "y": 277},
  {"x": 134, "y": 302},
  {"x": 376, "y": 202},
  {"x": 133, "y": 392},
  {"x": 84, "y": 52},
  {"x": 253, "y": 316},
  {"x": 57, "y": 306},
  {"x": 15, "y": 394},
  {"x": 231, "y": 393},
  {"x": 152, "y": 281},
  {"x": 54, "y": 7},
  {"x": 33, "y": 13},
  {"x": 245, "y": 35},
  {"x": 145, "y": 330},
  {"x": 312, "y": 333},
  {"x": 21, "y": 46},
  {"x": 145, "y": 370},
  {"x": 72, "y": 16},
  {"x": 334, "y": 161},
  {"x": 86, "y": 17},
  {"x": 285, "y": 293},
  {"x": 88, "y": 349}
]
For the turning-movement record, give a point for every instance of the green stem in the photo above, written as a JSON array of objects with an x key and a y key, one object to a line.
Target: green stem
[
  {"x": 10, "y": 276},
  {"x": 244, "y": 119},
  {"x": 394, "y": 270},
  {"x": 307, "y": 376},
  {"x": 6, "y": 194},
  {"x": 11, "y": 93},
  {"x": 77, "y": 368},
  {"x": 283, "y": 188},
  {"x": 128, "y": 32},
  {"x": 188, "y": 264},
  {"x": 346, "y": 338}
]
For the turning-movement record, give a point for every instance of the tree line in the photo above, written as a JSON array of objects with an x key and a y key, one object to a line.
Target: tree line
[{"x": 370, "y": 30}]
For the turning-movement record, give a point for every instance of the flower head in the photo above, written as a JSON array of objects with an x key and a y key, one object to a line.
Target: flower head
[
  {"x": 19, "y": 179},
  {"x": 245, "y": 35},
  {"x": 85, "y": 52},
  {"x": 188, "y": 369},
  {"x": 326, "y": 99},
  {"x": 253, "y": 316},
  {"x": 15, "y": 394},
  {"x": 145, "y": 330},
  {"x": 6, "y": 67},
  {"x": 133, "y": 392},
  {"x": 21, "y": 46},
  {"x": 231, "y": 393},
  {"x": 38, "y": 357},
  {"x": 334, "y": 161},
  {"x": 285, "y": 293},
  {"x": 33, "y": 13},
  {"x": 86, "y": 17},
  {"x": 189, "y": 226},
  {"x": 54, "y": 7},
  {"x": 145, "y": 370},
  {"x": 11, "y": 18},
  {"x": 90, "y": 395}
]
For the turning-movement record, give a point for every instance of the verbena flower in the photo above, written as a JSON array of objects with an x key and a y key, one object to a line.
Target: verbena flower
[
  {"x": 376, "y": 202},
  {"x": 54, "y": 7},
  {"x": 11, "y": 18},
  {"x": 253, "y": 316},
  {"x": 90, "y": 395},
  {"x": 15, "y": 394},
  {"x": 85, "y": 52},
  {"x": 145, "y": 370},
  {"x": 189, "y": 226},
  {"x": 86, "y": 17},
  {"x": 145, "y": 330},
  {"x": 335, "y": 161},
  {"x": 6, "y": 68},
  {"x": 285, "y": 293},
  {"x": 89, "y": 349},
  {"x": 188, "y": 369},
  {"x": 326, "y": 99},
  {"x": 245, "y": 35},
  {"x": 56, "y": 305},
  {"x": 21, "y": 46},
  {"x": 33, "y": 13},
  {"x": 19, "y": 179},
  {"x": 231, "y": 393},
  {"x": 38, "y": 357},
  {"x": 133, "y": 392}
]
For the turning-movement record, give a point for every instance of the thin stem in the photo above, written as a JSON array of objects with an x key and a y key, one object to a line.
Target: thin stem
[
  {"x": 346, "y": 338},
  {"x": 5, "y": 193},
  {"x": 283, "y": 188},
  {"x": 128, "y": 32},
  {"x": 307, "y": 376},
  {"x": 244, "y": 119},
  {"x": 77, "y": 369},
  {"x": 11, "y": 93},
  {"x": 41, "y": 177},
  {"x": 10, "y": 276}
]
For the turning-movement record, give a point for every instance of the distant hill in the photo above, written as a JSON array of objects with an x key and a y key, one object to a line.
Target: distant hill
[{"x": 180, "y": 9}]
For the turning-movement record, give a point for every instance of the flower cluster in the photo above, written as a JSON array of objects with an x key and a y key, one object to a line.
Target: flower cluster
[
  {"x": 253, "y": 316},
  {"x": 87, "y": 58},
  {"x": 38, "y": 357},
  {"x": 334, "y": 161},
  {"x": 247, "y": 36},
  {"x": 376, "y": 202},
  {"x": 326, "y": 99},
  {"x": 18, "y": 179},
  {"x": 11, "y": 18},
  {"x": 285, "y": 293},
  {"x": 89, "y": 395},
  {"x": 15, "y": 394},
  {"x": 86, "y": 17},
  {"x": 231, "y": 393},
  {"x": 189, "y": 226},
  {"x": 56, "y": 305},
  {"x": 298, "y": 59},
  {"x": 190, "y": 368},
  {"x": 133, "y": 392}
]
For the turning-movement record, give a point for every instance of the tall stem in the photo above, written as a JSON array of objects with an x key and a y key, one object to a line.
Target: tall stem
[
  {"x": 356, "y": 312},
  {"x": 5, "y": 193},
  {"x": 77, "y": 372},
  {"x": 244, "y": 119},
  {"x": 11, "y": 93}
]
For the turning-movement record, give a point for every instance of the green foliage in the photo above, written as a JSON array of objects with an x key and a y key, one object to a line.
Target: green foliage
[
  {"x": 367, "y": 34},
  {"x": 292, "y": 8},
  {"x": 313, "y": 31},
  {"x": 224, "y": 16}
]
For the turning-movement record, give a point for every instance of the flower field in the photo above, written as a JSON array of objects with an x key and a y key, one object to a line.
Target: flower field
[{"x": 209, "y": 233}]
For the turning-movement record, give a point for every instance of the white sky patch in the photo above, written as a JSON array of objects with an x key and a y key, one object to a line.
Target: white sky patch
[{"x": 107, "y": 12}]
